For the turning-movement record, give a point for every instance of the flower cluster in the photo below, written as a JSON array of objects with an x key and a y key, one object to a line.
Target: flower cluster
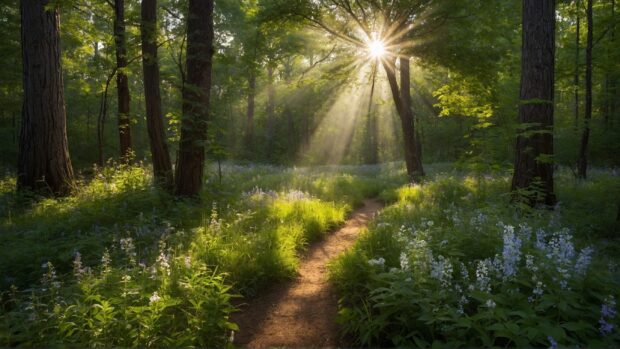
[
  {"x": 511, "y": 253},
  {"x": 608, "y": 312},
  {"x": 377, "y": 262},
  {"x": 441, "y": 270},
  {"x": 129, "y": 249}
]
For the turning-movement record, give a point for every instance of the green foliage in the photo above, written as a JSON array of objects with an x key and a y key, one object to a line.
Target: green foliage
[{"x": 452, "y": 264}]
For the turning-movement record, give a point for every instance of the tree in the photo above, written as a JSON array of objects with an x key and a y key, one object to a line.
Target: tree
[
  {"x": 582, "y": 165},
  {"x": 196, "y": 91},
  {"x": 533, "y": 166},
  {"x": 162, "y": 167},
  {"x": 577, "y": 49},
  {"x": 44, "y": 162},
  {"x": 122, "y": 84}
]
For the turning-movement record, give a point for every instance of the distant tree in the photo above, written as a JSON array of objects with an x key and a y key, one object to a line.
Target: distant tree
[
  {"x": 577, "y": 65},
  {"x": 44, "y": 163},
  {"x": 162, "y": 167},
  {"x": 122, "y": 84},
  {"x": 196, "y": 91},
  {"x": 533, "y": 167},
  {"x": 582, "y": 165}
]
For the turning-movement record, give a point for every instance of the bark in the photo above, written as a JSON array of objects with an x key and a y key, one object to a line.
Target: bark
[
  {"x": 162, "y": 167},
  {"x": 402, "y": 100},
  {"x": 44, "y": 163},
  {"x": 577, "y": 48},
  {"x": 533, "y": 167},
  {"x": 249, "y": 127},
  {"x": 372, "y": 155},
  {"x": 271, "y": 105},
  {"x": 122, "y": 85},
  {"x": 196, "y": 98},
  {"x": 613, "y": 96},
  {"x": 582, "y": 165}
]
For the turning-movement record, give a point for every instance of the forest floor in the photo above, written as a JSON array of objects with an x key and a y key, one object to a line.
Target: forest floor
[{"x": 302, "y": 312}]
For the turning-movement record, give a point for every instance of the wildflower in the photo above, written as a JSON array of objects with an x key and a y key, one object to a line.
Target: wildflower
[
  {"x": 511, "y": 253},
  {"x": 441, "y": 269},
  {"x": 482, "y": 275},
  {"x": 379, "y": 261},
  {"x": 540, "y": 243},
  {"x": 296, "y": 195},
  {"x": 608, "y": 311},
  {"x": 78, "y": 269},
  {"x": 529, "y": 263},
  {"x": 560, "y": 248},
  {"x": 105, "y": 261},
  {"x": 525, "y": 231},
  {"x": 188, "y": 261},
  {"x": 49, "y": 279},
  {"x": 404, "y": 261},
  {"x": 583, "y": 261},
  {"x": 164, "y": 262},
  {"x": 605, "y": 327},
  {"x": 154, "y": 298},
  {"x": 490, "y": 304},
  {"x": 129, "y": 248},
  {"x": 552, "y": 342}
]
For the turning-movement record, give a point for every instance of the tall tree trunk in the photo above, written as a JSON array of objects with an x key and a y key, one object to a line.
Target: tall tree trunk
[
  {"x": 614, "y": 92},
  {"x": 534, "y": 149},
  {"x": 44, "y": 163},
  {"x": 405, "y": 90},
  {"x": 249, "y": 127},
  {"x": 372, "y": 155},
  {"x": 577, "y": 49},
  {"x": 122, "y": 85},
  {"x": 402, "y": 100},
  {"x": 162, "y": 167},
  {"x": 196, "y": 98},
  {"x": 585, "y": 136},
  {"x": 271, "y": 108}
]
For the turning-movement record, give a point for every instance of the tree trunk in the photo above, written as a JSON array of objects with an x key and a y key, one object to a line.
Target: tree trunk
[
  {"x": 271, "y": 108},
  {"x": 122, "y": 85},
  {"x": 44, "y": 163},
  {"x": 162, "y": 167},
  {"x": 613, "y": 96},
  {"x": 249, "y": 127},
  {"x": 582, "y": 166},
  {"x": 402, "y": 100},
  {"x": 372, "y": 154},
  {"x": 577, "y": 49},
  {"x": 533, "y": 168},
  {"x": 405, "y": 90},
  {"x": 196, "y": 97}
]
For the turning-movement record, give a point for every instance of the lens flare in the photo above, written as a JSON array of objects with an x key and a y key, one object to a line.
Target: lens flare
[{"x": 376, "y": 48}]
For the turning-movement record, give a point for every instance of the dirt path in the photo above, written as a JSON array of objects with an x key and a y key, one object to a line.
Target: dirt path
[{"x": 302, "y": 312}]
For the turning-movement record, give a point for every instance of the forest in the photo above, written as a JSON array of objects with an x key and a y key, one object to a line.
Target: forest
[{"x": 310, "y": 173}]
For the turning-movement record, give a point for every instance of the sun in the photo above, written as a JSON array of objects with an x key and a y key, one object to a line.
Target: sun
[{"x": 376, "y": 48}]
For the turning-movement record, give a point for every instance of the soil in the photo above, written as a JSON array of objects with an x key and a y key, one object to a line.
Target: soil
[{"x": 302, "y": 312}]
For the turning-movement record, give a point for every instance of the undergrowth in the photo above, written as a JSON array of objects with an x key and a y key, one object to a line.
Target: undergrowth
[
  {"x": 452, "y": 264},
  {"x": 121, "y": 263}
]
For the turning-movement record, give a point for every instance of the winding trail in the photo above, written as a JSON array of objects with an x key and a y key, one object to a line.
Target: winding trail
[{"x": 302, "y": 312}]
